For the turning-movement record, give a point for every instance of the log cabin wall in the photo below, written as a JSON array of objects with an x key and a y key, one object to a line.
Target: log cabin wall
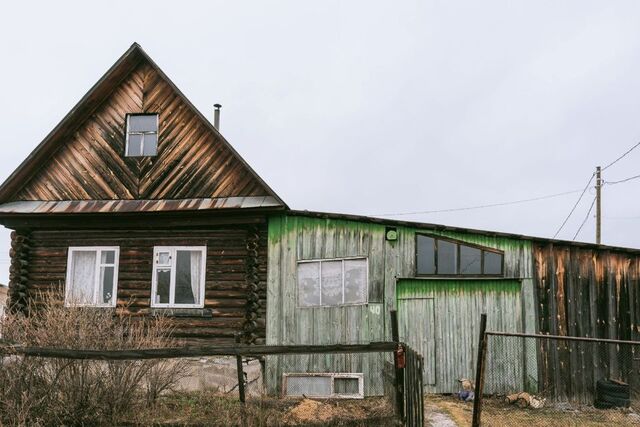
[
  {"x": 228, "y": 287},
  {"x": 586, "y": 292}
]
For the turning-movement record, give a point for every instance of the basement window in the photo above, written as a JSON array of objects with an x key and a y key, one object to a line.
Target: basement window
[
  {"x": 142, "y": 135},
  {"x": 324, "y": 385},
  {"x": 178, "y": 276},
  {"x": 92, "y": 276},
  {"x": 445, "y": 257},
  {"x": 333, "y": 282}
]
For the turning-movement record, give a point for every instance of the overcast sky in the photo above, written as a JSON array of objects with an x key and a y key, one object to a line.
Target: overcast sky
[{"x": 370, "y": 107}]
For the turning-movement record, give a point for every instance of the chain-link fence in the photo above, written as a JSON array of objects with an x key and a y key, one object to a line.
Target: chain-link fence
[{"x": 541, "y": 380}]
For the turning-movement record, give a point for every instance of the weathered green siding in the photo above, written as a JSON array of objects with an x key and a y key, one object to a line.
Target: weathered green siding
[
  {"x": 440, "y": 319},
  {"x": 295, "y": 237}
]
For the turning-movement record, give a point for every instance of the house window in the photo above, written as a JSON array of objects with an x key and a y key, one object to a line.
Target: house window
[
  {"x": 142, "y": 135},
  {"x": 92, "y": 276},
  {"x": 444, "y": 257},
  {"x": 333, "y": 282},
  {"x": 178, "y": 276}
]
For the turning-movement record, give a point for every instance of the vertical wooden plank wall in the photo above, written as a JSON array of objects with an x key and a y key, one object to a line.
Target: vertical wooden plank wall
[
  {"x": 588, "y": 293},
  {"x": 297, "y": 237}
]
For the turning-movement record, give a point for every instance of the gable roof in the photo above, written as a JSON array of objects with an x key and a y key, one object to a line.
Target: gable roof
[{"x": 132, "y": 59}]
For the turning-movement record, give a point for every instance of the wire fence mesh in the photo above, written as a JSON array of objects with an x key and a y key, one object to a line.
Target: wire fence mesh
[{"x": 548, "y": 381}]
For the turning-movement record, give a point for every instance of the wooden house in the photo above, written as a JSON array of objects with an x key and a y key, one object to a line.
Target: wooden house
[{"x": 135, "y": 199}]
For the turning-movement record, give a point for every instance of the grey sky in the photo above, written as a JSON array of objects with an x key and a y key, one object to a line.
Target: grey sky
[{"x": 369, "y": 107}]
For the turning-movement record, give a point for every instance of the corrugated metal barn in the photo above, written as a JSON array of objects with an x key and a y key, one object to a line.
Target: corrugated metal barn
[{"x": 440, "y": 279}]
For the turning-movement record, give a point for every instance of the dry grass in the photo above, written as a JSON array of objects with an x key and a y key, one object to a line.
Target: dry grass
[
  {"x": 497, "y": 413},
  {"x": 40, "y": 391},
  {"x": 212, "y": 409}
]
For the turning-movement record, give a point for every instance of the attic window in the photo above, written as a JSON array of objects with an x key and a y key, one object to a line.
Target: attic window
[{"x": 142, "y": 135}]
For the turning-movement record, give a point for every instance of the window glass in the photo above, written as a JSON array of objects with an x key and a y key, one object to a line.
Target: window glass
[
  {"x": 492, "y": 263},
  {"x": 142, "y": 135},
  {"x": 150, "y": 145},
  {"x": 108, "y": 257},
  {"x": 346, "y": 385},
  {"x": 331, "y": 282},
  {"x": 143, "y": 123},
  {"x": 187, "y": 277},
  {"x": 91, "y": 276},
  {"x": 83, "y": 277},
  {"x": 426, "y": 256},
  {"x": 470, "y": 260},
  {"x": 164, "y": 258},
  {"x": 105, "y": 294},
  {"x": 309, "y": 284},
  {"x": 355, "y": 281},
  {"x": 178, "y": 276},
  {"x": 447, "y": 257},
  {"x": 134, "y": 145},
  {"x": 309, "y": 385}
]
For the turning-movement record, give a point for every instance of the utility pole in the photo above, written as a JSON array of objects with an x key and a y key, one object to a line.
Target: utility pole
[{"x": 598, "y": 204}]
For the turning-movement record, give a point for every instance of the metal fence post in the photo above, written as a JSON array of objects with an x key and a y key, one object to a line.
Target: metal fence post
[
  {"x": 482, "y": 353},
  {"x": 399, "y": 380}
]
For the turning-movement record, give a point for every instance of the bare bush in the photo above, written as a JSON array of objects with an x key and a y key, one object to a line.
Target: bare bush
[{"x": 40, "y": 391}]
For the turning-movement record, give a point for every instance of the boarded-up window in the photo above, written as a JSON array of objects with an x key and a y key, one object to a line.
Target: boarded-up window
[
  {"x": 332, "y": 282},
  {"x": 440, "y": 256},
  {"x": 92, "y": 275}
]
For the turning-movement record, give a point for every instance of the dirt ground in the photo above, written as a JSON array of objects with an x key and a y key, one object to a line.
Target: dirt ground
[
  {"x": 497, "y": 413},
  {"x": 214, "y": 409}
]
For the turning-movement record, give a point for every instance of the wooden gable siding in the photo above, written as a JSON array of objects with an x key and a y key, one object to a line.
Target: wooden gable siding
[
  {"x": 226, "y": 284},
  {"x": 192, "y": 161}
]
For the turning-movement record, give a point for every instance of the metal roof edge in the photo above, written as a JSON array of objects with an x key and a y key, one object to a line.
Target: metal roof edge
[{"x": 442, "y": 227}]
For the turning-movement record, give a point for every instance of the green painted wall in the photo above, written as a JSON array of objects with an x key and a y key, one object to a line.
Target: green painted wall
[
  {"x": 440, "y": 319},
  {"x": 296, "y": 238}
]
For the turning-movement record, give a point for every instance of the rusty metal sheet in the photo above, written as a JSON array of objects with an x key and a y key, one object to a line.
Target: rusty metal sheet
[{"x": 104, "y": 206}]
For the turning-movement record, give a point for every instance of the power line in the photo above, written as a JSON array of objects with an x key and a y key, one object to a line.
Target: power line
[
  {"x": 621, "y": 157},
  {"x": 574, "y": 206},
  {"x": 491, "y": 205},
  {"x": 586, "y": 218},
  {"x": 622, "y": 180}
]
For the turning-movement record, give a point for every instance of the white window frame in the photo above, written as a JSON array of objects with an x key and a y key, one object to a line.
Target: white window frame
[
  {"x": 320, "y": 261},
  {"x": 333, "y": 376},
  {"x": 96, "y": 284},
  {"x": 172, "y": 284},
  {"x": 156, "y": 133}
]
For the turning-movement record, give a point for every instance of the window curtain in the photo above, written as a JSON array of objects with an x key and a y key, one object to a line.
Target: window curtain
[
  {"x": 196, "y": 259},
  {"x": 82, "y": 277}
]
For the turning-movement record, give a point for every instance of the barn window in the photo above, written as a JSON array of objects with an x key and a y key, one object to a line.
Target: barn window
[
  {"x": 445, "y": 257},
  {"x": 92, "y": 276},
  {"x": 142, "y": 135},
  {"x": 324, "y": 385},
  {"x": 333, "y": 282},
  {"x": 178, "y": 276}
]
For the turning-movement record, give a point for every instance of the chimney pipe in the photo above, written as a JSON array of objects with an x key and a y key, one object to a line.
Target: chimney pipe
[{"x": 216, "y": 116}]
